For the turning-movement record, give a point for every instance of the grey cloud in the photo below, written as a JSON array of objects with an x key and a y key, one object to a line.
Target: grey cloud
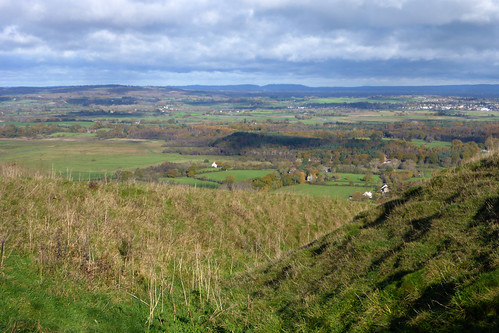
[{"x": 365, "y": 40}]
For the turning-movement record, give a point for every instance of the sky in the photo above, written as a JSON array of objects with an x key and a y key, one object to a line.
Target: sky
[{"x": 218, "y": 42}]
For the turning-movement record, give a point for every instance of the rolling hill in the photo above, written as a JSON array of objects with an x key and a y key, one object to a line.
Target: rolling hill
[
  {"x": 427, "y": 261},
  {"x": 135, "y": 257}
]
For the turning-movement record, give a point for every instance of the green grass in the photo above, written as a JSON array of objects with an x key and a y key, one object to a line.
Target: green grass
[
  {"x": 345, "y": 178},
  {"x": 341, "y": 192},
  {"x": 426, "y": 261},
  {"x": 239, "y": 175},
  {"x": 168, "y": 246},
  {"x": 34, "y": 300},
  {"x": 191, "y": 181},
  {"x": 81, "y": 156},
  {"x": 435, "y": 143},
  {"x": 104, "y": 256}
]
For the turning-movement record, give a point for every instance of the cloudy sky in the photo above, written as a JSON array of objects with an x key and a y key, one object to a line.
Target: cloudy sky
[{"x": 311, "y": 42}]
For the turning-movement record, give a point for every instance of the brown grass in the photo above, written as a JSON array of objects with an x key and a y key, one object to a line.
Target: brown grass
[{"x": 161, "y": 240}]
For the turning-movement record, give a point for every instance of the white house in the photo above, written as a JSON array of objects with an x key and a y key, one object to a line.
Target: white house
[
  {"x": 368, "y": 194},
  {"x": 384, "y": 189},
  {"x": 214, "y": 165}
]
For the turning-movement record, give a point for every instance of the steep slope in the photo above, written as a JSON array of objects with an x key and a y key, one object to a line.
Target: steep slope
[{"x": 427, "y": 261}]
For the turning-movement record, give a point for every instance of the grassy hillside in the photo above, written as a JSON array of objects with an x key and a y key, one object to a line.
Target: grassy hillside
[
  {"x": 127, "y": 257},
  {"x": 131, "y": 257},
  {"x": 427, "y": 261}
]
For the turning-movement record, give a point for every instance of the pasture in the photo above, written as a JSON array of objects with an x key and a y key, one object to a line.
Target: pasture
[
  {"x": 239, "y": 175},
  {"x": 347, "y": 178},
  {"x": 87, "y": 158},
  {"x": 191, "y": 182},
  {"x": 337, "y": 192}
]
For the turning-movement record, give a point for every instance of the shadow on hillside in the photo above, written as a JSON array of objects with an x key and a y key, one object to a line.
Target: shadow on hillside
[
  {"x": 387, "y": 209},
  {"x": 434, "y": 298},
  {"x": 419, "y": 228},
  {"x": 488, "y": 212}
]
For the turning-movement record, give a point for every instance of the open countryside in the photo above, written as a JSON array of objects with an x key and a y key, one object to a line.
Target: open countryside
[{"x": 169, "y": 209}]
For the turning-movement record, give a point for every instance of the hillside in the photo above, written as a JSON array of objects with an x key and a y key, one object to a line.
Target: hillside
[
  {"x": 132, "y": 257},
  {"x": 128, "y": 256},
  {"x": 427, "y": 261}
]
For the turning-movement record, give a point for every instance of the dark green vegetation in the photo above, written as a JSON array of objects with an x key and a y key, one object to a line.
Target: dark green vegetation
[
  {"x": 119, "y": 256},
  {"x": 240, "y": 140}
]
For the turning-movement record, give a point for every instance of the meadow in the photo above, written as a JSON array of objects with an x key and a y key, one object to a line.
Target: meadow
[
  {"x": 190, "y": 181},
  {"x": 81, "y": 158},
  {"x": 338, "y": 192},
  {"x": 81, "y": 250},
  {"x": 239, "y": 175},
  {"x": 357, "y": 179}
]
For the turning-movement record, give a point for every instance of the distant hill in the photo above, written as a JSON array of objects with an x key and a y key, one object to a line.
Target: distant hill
[
  {"x": 425, "y": 262},
  {"x": 479, "y": 90}
]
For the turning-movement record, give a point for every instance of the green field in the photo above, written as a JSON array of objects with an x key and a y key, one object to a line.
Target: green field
[
  {"x": 438, "y": 144},
  {"x": 191, "y": 181},
  {"x": 340, "y": 192},
  {"x": 353, "y": 100},
  {"x": 88, "y": 158},
  {"x": 239, "y": 175},
  {"x": 72, "y": 135},
  {"x": 346, "y": 178}
]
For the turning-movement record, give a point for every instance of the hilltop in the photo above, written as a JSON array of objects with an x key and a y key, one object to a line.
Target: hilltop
[{"x": 134, "y": 257}]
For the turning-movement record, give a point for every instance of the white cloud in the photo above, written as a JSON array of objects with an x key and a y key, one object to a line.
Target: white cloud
[
  {"x": 12, "y": 35},
  {"x": 259, "y": 35}
]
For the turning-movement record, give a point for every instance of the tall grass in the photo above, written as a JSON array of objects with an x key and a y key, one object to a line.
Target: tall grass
[{"x": 166, "y": 247}]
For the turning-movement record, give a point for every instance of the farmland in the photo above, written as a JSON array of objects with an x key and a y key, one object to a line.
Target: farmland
[
  {"x": 142, "y": 133},
  {"x": 115, "y": 218},
  {"x": 338, "y": 192}
]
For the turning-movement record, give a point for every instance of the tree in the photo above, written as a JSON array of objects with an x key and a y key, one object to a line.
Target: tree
[
  {"x": 230, "y": 179},
  {"x": 225, "y": 166},
  {"x": 492, "y": 144},
  {"x": 367, "y": 177},
  {"x": 191, "y": 171},
  {"x": 172, "y": 173}
]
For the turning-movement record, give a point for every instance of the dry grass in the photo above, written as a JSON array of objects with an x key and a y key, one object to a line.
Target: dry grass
[{"x": 161, "y": 244}]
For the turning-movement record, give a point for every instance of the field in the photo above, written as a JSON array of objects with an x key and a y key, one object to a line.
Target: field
[
  {"x": 357, "y": 179},
  {"x": 155, "y": 253},
  {"x": 190, "y": 181},
  {"x": 354, "y": 100},
  {"x": 84, "y": 158},
  {"x": 239, "y": 175},
  {"x": 339, "y": 192},
  {"x": 438, "y": 144},
  {"x": 87, "y": 158},
  {"x": 113, "y": 219}
]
